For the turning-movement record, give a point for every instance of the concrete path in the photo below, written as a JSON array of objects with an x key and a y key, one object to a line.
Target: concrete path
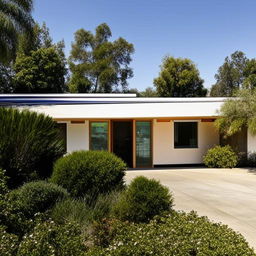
[{"x": 224, "y": 195}]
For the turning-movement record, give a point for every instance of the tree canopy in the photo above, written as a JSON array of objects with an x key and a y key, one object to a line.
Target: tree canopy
[
  {"x": 179, "y": 78},
  {"x": 42, "y": 72},
  {"x": 15, "y": 18},
  {"x": 98, "y": 65},
  {"x": 231, "y": 75},
  {"x": 238, "y": 112}
]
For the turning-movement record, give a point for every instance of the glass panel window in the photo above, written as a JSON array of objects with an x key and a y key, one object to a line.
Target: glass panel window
[
  {"x": 185, "y": 135},
  {"x": 99, "y": 136},
  {"x": 143, "y": 144}
]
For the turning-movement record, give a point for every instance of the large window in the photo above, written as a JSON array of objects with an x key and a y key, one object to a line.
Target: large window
[
  {"x": 99, "y": 135},
  {"x": 185, "y": 135}
]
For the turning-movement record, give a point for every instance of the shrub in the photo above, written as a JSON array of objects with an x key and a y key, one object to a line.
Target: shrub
[
  {"x": 251, "y": 159},
  {"x": 89, "y": 173},
  {"x": 36, "y": 196},
  {"x": 3, "y": 184},
  {"x": 220, "y": 157},
  {"x": 29, "y": 144},
  {"x": 178, "y": 234},
  {"x": 48, "y": 238},
  {"x": 77, "y": 210},
  {"x": 8, "y": 243},
  {"x": 143, "y": 199}
]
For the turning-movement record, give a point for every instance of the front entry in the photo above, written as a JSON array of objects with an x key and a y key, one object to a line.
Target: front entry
[{"x": 122, "y": 140}]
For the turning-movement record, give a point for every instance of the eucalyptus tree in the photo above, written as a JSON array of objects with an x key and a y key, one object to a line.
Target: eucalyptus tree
[
  {"x": 15, "y": 18},
  {"x": 98, "y": 65}
]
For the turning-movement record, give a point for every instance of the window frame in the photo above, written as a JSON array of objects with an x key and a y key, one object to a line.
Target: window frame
[{"x": 197, "y": 139}]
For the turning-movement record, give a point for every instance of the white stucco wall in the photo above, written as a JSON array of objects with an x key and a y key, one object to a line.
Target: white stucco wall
[
  {"x": 163, "y": 144},
  {"x": 77, "y": 136},
  {"x": 251, "y": 143}
]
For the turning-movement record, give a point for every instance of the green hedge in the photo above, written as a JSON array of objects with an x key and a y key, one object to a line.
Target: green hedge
[
  {"x": 179, "y": 234},
  {"x": 142, "y": 200},
  {"x": 89, "y": 173},
  {"x": 35, "y": 197},
  {"x": 221, "y": 157}
]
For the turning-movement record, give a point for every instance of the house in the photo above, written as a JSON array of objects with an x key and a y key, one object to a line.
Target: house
[{"x": 144, "y": 132}]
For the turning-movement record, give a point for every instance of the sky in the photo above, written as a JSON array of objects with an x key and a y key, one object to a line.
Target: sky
[{"x": 206, "y": 31}]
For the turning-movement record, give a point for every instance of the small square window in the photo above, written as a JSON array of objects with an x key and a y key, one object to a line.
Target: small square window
[{"x": 185, "y": 135}]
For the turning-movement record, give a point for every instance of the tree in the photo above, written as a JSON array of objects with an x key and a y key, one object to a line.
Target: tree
[
  {"x": 29, "y": 145},
  {"x": 42, "y": 72},
  {"x": 179, "y": 78},
  {"x": 250, "y": 74},
  {"x": 230, "y": 76},
  {"x": 6, "y": 79},
  {"x": 38, "y": 38},
  {"x": 98, "y": 65},
  {"x": 237, "y": 113},
  {"x": 149, "y": 92},
  {"x": 15, "y": 18}
]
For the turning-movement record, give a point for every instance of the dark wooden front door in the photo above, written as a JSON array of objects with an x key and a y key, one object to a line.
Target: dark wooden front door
[{"x": 122, "y": 140}]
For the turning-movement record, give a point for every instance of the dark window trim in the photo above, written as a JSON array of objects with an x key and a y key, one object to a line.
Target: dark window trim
[{"x": 186, "y": 147}]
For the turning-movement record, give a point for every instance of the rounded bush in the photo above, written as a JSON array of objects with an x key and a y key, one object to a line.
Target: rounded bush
[
  {"x": 221, "y": 157},
  {"x": 178, "y": 234},
  {"x": 142, "y": 200},
  {"x": 36, "y": 196},
  {"x": 48, "y": 238},
  {"x": 89, "y": 173}
]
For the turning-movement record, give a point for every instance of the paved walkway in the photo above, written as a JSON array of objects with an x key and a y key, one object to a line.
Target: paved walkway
[{"x": 224, "y": 195}]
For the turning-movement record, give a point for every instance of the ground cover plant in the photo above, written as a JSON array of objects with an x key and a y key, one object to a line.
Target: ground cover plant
[{"x": 177, "y": 234}]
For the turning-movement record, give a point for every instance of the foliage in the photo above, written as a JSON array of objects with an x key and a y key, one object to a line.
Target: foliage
[
  {"x": 8, "y": 243},
  {"x": 149, "y": 92},
  {"x": 220, "y": 157},
  {"x": 6, "y": 79},
  {"x": 48, "y": 238},
  {"x": 98, "y": 65},
  {"x": 179, "y": 78},
  {"x": 250, "y": 74},
  {"x": 36, "y": 196},
  {"x": 33, "y": 41},
  {"x": 89, "y": 173},
  {"x": 3, "y": 183},
  {"x": 78, "y": 211},
  {"x": 230, "y": 76},
  {"x": 15, "y": 18},
  {"x": 178, "y": 234},
  {"x": 42, "y": 72},
  {"x": 29, "y": 144},
  {"x": 142, "y": 200},
  {"x": 238, "y": 112}
]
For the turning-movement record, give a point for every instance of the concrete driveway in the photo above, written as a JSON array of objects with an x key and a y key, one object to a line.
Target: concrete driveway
[{"x": 224, "y": 195}]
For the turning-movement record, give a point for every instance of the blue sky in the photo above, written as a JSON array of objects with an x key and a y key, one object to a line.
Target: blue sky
[{"x": 206, "y": 31}]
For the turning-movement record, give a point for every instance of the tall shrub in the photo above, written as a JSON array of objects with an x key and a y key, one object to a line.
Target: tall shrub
[{"x": 29, "y": 144}]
